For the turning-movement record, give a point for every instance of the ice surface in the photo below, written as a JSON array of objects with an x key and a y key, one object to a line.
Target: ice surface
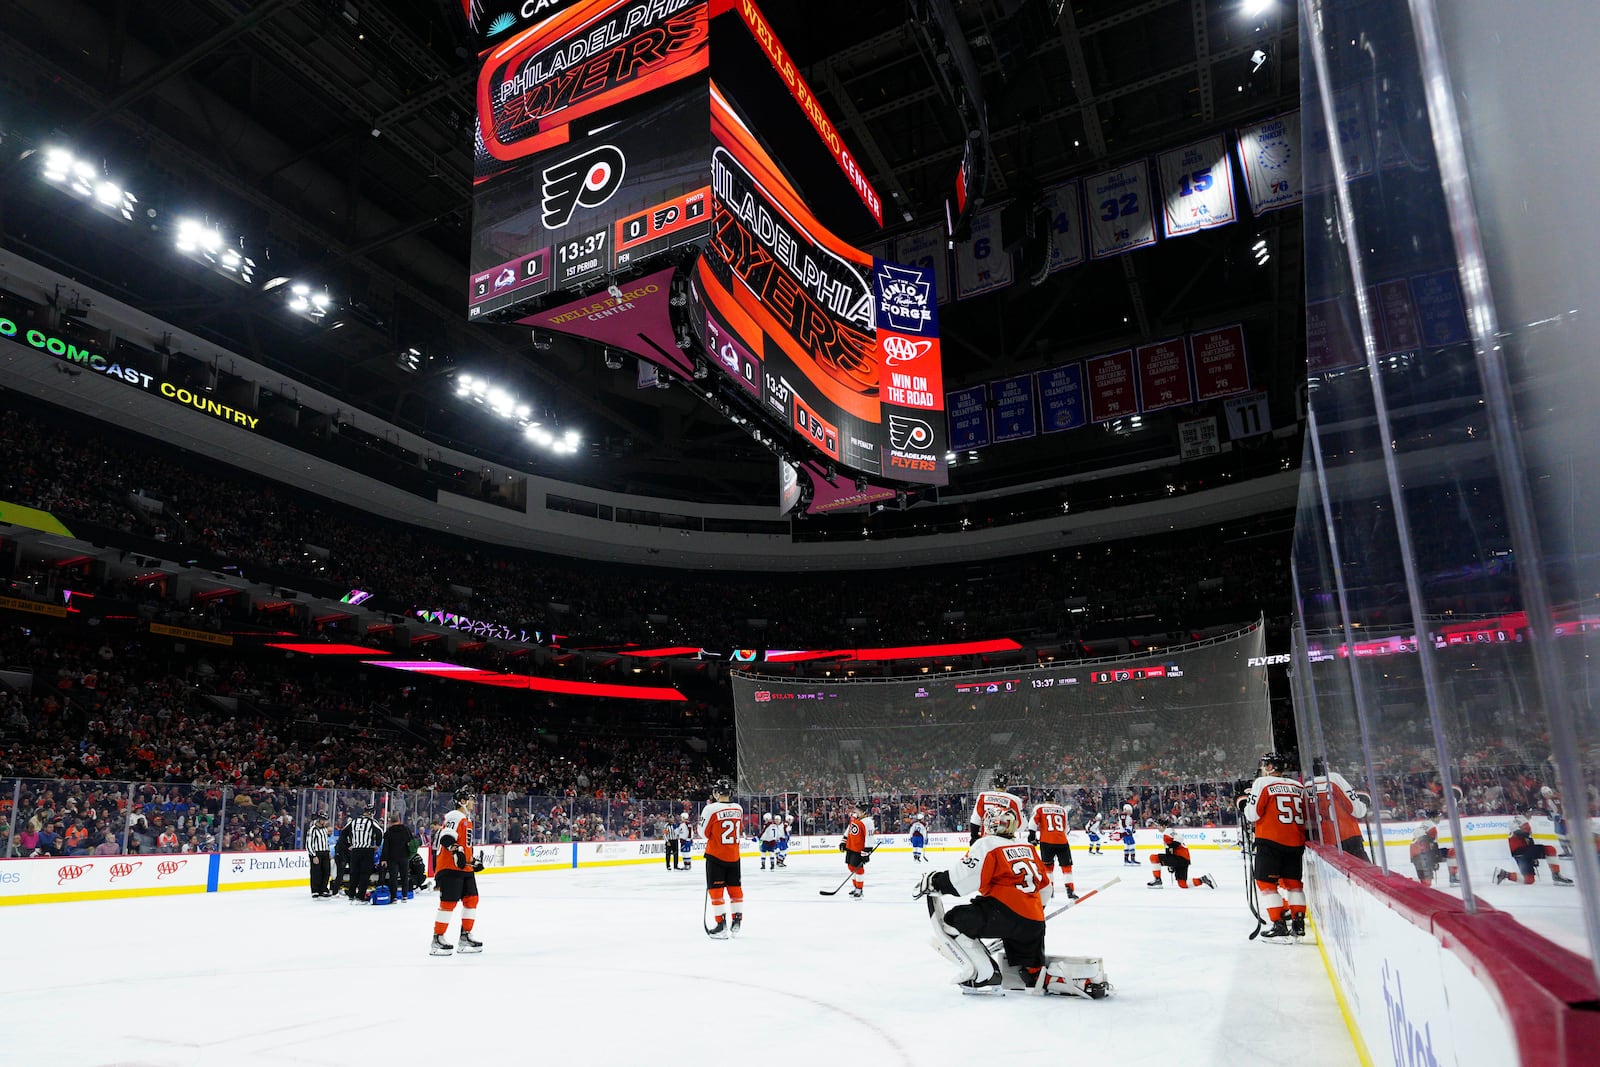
[{"x": 611, "y": 966}]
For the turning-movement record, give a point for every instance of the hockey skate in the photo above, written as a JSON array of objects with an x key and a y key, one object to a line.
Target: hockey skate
[
  {"x": 1297, "y": 927},
  {"x": 470, "y": 943},
  {"x": 719, "y": 931},
  {"x": 1154, "y": 882},
  {"x": 1500, "y": 875},
  {"x": 855, "y": 894},
  {"x": 1561, "y": 879},
  {"x": 440, "y": 946},
  {"x": 1278, "y": 933},
  {"x": 738, "y": 921},
  {"x": 1205, "y": 879}
]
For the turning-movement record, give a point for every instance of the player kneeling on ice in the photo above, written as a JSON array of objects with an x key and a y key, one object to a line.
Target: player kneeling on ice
[
  {"x": 1012, "y": 891},
  {"x": 1175, "y": 858},
  {"x": 1427, "y": 855},
  {"x": 1527, "y": 853}
]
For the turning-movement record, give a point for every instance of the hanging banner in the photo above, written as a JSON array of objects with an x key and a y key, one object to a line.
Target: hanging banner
[
  {"x": 1198, "y": 438},
  {"x": 638, "y": 323},
  {"x": 1061, "y": 398},
  {"x": 927, "y": 249},
  {"x": 1066, "y": 226},
  {"x": 1248, "y": 416},
  {"x": 1112, "y": 392},
  {"x": 1013, "y": 408},
  {"x": 1120, "y": 218},
  {"x": 1331, "y": 337},
  {"x": 1439, "y": 308},
  {"x": 981, "y": 264},
  {"x": 968, "y": 415},
  {"x": 1196, "y": 187},
  {"x": 1392, "y": 303},
  {"x": 1269, "y": 154},
  {"x": 1219, "y": 362},
  {"x": 1164, "y": 374}
]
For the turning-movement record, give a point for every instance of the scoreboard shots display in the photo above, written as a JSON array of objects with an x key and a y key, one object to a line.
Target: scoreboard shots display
[{"x": 641, "y": 147}]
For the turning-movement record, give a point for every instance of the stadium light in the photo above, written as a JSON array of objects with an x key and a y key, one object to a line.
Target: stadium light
[
  {"x": 82, "y": 179},
  {"x": 1256, "y": 8},
  {"x": 310, "y": 304},
  {"x": 204, "y": 244}
]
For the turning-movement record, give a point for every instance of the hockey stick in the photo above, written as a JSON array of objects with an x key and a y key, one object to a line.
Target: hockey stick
[
  {"x": 1083, "y": 897},
  {"x": 834, "y": 891},
  {"x": 1247, "y": 849}
]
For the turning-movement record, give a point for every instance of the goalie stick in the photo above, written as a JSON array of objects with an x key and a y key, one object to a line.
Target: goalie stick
[
  {"x": 834, "y": 891},
  {"x": 1082, "y": 897}
]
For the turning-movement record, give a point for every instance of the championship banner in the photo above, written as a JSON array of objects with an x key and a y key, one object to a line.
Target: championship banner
[
  {"x": 798, "y": 298},
  {"x": 1196, "y": 187},
  {"x": 582, "y": 211},
  {"x": 1393, "y": 305},
  {"x": 639, "y": 323},
  {"x": 1066, "y": 226},
  {"x": 1120, "y": 218},
  {"x": 981, "y": 264},
  {"x": 1438, "y": 302},
  {"x": 1061, "y": 398},
  {"x": 1197, "y": 438},
  {"x": 1269, "y": 154},
  {"x": 926, "y": 249},
  {"x": 585, "y": 57},
  {"x": 1112, "y": 392},
  {"x": 968, "y": 414},
  {"x": 1219, "y": 362},
  {"x": 911, "y": 379},
  {"x": 1013, "y": 408},
  {"x": 1332, "y": 337},
  {"x": 1164, "y": 374}
]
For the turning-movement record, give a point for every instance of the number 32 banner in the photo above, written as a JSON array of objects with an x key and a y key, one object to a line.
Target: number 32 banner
[
  {"x": 1197, "y": 187},
  {"x": 1119, "y": 213}
]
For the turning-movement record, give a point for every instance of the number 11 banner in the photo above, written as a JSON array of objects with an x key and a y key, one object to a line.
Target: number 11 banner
[
  {"x": 1118, "y": 210},
  {"x": 1197, "y": 187}
]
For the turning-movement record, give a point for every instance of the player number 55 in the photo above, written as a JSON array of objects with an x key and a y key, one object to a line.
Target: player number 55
[{"x": 1292, "y": 810}]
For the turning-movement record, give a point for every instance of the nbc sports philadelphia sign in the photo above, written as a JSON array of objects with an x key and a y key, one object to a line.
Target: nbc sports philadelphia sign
[{"x": 73, "y": 354}]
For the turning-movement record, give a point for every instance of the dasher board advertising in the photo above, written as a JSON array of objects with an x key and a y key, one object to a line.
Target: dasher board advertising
[
  {"x": 798, "y": 298},
  {"x": 570, "y": 217}
]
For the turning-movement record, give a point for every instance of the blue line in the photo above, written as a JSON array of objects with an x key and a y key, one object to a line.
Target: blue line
[
  {"x": 574, "y": 855},
  {"x": 213, "y": 870}
]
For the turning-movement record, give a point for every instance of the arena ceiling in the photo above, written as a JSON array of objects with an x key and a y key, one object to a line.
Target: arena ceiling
[{"x": 335, "y": 136}]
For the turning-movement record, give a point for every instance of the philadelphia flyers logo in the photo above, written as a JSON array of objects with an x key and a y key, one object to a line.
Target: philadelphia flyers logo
[
  {"x": 909, "y": 433},
  {"x": 588, "y": 179}
]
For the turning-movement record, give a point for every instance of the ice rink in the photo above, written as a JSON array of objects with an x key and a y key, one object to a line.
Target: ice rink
[{"x": 611, "y": 966}]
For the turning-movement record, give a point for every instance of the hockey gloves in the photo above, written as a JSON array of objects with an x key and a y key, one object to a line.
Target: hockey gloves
[
  {"x": 460, "y": 856},
  {"x": 934, "y": 883},
  {"x": 841, "y": 847},
  {"x": 477, "y": 864}
]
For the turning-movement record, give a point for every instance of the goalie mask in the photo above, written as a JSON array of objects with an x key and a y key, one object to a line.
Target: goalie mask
[{"x": 1002, "y": 823}]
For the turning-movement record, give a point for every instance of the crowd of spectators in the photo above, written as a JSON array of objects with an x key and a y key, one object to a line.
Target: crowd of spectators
[{"x": 225, "y": 516}]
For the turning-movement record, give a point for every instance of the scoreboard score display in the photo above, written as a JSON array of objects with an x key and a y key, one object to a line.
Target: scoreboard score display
[{"x": 620, "y": 139}]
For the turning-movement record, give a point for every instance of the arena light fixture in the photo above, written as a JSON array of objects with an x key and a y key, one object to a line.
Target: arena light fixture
[
  {"x": 82, "y": 179},
  {"x": 204, "y": 243}
]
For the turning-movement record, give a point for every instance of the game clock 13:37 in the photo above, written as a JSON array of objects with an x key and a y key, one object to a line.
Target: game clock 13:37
[{"x": 582, "y": 255}]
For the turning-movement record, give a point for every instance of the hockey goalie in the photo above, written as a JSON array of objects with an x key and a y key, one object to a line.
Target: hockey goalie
[{"x": 1011, "y": 893}]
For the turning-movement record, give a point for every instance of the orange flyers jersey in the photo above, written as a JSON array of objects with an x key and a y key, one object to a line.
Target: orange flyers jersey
[
  {"x": 993, "y": 800},
  {"x": 720, "y": 825},
  {"x": 1278, "y": 809},
  {"x": 1175, "y": 846},
  {"x": 858, "y": 835},
  {"x": 457, "y": 824},
  {"x": 1007, "y": 870},
  {"x": 1337, "y": 808},
  {"x": 1050, "y": 820}
]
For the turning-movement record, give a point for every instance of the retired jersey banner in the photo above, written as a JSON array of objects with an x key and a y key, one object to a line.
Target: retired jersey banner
[
  {"x": 1112, "y": 393},
  {"x": 1119, "y": 210},
  {"x": 1013, "y": 408},
  {"x": 1196, "y": 187},
  {"x": 1394, "y": 307},
  {"x": 968, "y": 414},
  {"x": 1066, "y": 226},
  {"x": 911, "y": 382},
  {"x": 1164, "y": 374},
  {"x": 981, "y": 264},
  {"x": 1219, "y": 362},
  {"x": 1331, "y": 337},
  {"x": 1248, "y": 416},
  {"x": 1356, "y": 148},
  {"x": 927, "y": 249},
  {"x": 1269, "y": 154},
  {"x": 1061, "y": 398},
  {"x": 1439, "y": 309}
]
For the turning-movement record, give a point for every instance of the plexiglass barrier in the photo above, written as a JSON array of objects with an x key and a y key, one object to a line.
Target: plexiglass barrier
[{"x": 1447, "y": 552}]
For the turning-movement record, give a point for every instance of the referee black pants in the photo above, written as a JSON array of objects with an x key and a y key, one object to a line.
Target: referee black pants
[
  {"x": 319, "y": 873},
  {"x": 360, "y": 872},
  {"x": 672, "y": 852}
]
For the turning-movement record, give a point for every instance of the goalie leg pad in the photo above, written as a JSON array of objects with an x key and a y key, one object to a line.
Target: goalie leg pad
[
  {"x": 973, "y": 962},
  {"x": 1075, "y": 976}
]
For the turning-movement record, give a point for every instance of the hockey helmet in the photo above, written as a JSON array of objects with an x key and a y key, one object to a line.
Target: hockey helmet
[
  {"x": 1273, "y": 760},
  {"x": 722, "y": 787},
  {"x": 464, "y": 796},
  {"x": 1002, "y": 822},
  {"x": 683, "y": 816},
  {"x": 1319, "y": 766},
  {"x": 1001, "y": 779},
  {"x": 1546, "y": 791},
  {"x": 1049, "y": 796}
]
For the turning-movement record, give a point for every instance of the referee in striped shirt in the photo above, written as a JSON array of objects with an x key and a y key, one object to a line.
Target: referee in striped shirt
[
  {"x": 365, "y": 833},
  {"x": 317, "y": 846}
]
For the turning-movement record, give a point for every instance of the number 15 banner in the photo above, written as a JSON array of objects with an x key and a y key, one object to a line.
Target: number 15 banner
[
  {"x": 1118, "y": 210},
  {"x": 1196, "y": 187}
]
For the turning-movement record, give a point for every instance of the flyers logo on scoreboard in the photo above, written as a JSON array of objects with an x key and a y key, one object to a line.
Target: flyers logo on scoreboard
[
  {"x": 663, "y": 219},
  {"x": 763, "y": 696},
  {"x": 587, "y": 179},
  {"x": 821, "y": 432}
]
